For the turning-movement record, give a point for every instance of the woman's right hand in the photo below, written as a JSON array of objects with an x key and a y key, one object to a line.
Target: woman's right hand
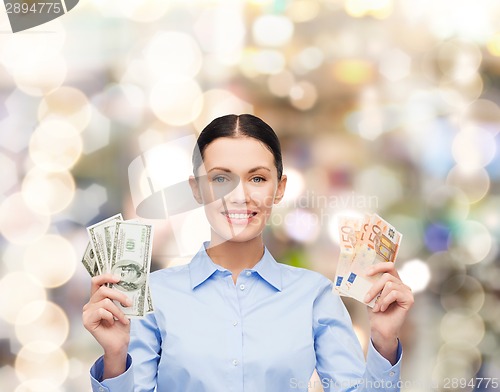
[{"x": 106, "y": 322}]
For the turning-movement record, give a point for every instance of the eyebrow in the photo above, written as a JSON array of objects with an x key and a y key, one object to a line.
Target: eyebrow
[{"x": 229, "y": 171}]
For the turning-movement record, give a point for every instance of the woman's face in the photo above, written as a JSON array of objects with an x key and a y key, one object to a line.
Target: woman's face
[{"x": 238, "y": 185}]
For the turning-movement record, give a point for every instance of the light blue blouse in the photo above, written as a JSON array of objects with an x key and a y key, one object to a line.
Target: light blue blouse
[{"x": 267, "y": 332}]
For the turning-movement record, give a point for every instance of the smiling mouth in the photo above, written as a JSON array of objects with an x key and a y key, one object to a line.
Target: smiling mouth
[{"x": 239, "y": 215}]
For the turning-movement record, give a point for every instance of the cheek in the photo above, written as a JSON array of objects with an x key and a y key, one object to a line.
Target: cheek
[{"x": 264, "y": 197}]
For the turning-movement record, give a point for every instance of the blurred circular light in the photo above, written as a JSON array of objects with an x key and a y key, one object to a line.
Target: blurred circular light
[
  {"x": 462, "y": 94},
  {"x": 472, "y": 242},
  {"x": 41, "y": 76},
  {"x": 42, "y": 361},
  {"x": 38, "y": 385},
  {"x": 221, "y": 30},
  {"x": 474, "y": 184},
  {"x": 9, "y": 173},
  {"x": 51, "y": 259},
  {"x": 143, "y": 11},
  {"x": 395, "y": 65},
  {"x": 437, "y": 237},
  {"x": 303, "y": 95},
  {"x": 123, "y": 103},
  {"x": 68, "y": 103},
  {"x": 218, "y": 103},
  {"x": 48, "y": 192},
  {"x": 281, "y": 83},
  {"x": 97, "y": 134},
  {"x": 295, "y": 185},
  {"x": 55, "y": 145},
  {"x": 416, "y": 274},
  {"x": 458, "y": 327},
  {"x": 302, "y": 225},
  {"x": 176, "y": 103},
  {"x": 301, "y": 11},
  {"x": 272, "y": 30},
  {"x": 443, "y": 267},
  {"x": 42, "y": 321},
  {"x": 355, "y": 72},
  {"x": 173, "y": 56},
  {"x": 19, "y": 224},
  {"x": 377, "y": 8},
  {"x": 18, "y": 49},
  {"x": 308, "y": 59},
  {"x": 493, "y": 45},
  {"x": 459, "y": 61},
  {"x": 464, "y": 293},
  {"x": 380, "y": 182},
  {"x": 21, "y": 289},
  {"x": 482, "y": 111},
  {"x": 447, "y": 204},
  {"x": 473, "y": 148},
  {"x": 459, "y": 361},
  {"x": 268, "y": 61}
]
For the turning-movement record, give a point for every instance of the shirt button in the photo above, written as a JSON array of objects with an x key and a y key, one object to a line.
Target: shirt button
[
  {"x": 235, "y": 323},
  {"x": 248, "y": 273},
  {"x": 242, "y": 287},
  {"x": 101, "y": 389},
  {"x": 392, "y": 374},
  {"x": 235, "y": 362}
]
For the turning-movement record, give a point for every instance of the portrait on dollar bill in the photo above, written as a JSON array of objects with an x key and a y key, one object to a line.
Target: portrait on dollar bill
[{"x": 131, "y": 274}]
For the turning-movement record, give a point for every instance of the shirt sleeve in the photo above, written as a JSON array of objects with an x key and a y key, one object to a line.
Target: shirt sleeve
[
  {"x": 142, "y": 361},
  {"x": 340, "y": 362}
]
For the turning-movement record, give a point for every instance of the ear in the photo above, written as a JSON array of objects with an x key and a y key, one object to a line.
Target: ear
[
  {"x": 280, "y": 191},
  {"x": 193, "y": 183}
]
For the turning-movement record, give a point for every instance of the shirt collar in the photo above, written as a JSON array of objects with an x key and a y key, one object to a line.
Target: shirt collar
[{"x": 202, "y": 267}]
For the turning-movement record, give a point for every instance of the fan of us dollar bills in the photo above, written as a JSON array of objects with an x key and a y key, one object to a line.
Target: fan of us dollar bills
[
  {"x": 123, "y": 248},
  {"x": 363, "y": 242}
]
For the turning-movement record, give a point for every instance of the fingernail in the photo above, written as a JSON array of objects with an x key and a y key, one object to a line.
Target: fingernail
[
  {"x": 367, "y": 297},
  {"x": 129, "y": 302},
  {"x": 117, "y": 277},
  {"x": 370, "y": 270}
]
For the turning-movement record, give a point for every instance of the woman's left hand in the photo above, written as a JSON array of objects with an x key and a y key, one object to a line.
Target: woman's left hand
[{"x": 390, "y": 310}]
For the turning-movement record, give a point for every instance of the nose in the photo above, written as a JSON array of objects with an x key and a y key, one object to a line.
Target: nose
[{"x": 238, "y": 195}]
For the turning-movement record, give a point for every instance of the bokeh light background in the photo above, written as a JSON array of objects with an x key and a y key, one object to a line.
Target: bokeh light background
[{"x": 381, "y": 105}]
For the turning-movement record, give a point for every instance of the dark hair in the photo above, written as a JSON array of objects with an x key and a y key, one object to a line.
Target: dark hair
[{"x": 233, "y": 125}]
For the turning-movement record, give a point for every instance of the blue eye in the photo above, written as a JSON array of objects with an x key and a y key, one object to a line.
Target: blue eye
[
  {"x": 219, "y": 179},
  {"x": 258, "y": 179}
]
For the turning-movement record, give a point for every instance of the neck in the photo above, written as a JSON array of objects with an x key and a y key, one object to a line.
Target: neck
[{"x": 236, "y": 256}]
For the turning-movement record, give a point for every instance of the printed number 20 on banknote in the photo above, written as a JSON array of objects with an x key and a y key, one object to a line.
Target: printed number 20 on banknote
[{"x": 131, "y": 261}]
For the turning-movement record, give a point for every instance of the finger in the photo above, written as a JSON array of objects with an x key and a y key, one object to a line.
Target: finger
[
  {"x": 380, "y": 268},
  {"x": 99, "y": 280},
  {"x": 379, "y": 285},
  {"x": 108, "y": 305},
  {"x": 389, "y": 286},
  {"x": 92, "y": 318},
  {"x": 106, "y": 292},
  {"x": 398, "y": 293}
]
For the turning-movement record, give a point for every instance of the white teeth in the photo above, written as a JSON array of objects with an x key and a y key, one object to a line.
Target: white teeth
[{"x": 239, "y": 216}]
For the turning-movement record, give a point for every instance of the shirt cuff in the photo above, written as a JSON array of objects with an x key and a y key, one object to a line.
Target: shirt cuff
[
  {"x": 379, "y": 368},
  {"x": 123, "y": 383}
]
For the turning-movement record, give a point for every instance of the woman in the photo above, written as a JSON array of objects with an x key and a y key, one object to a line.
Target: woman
[{"x": 234, "y": 319}]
